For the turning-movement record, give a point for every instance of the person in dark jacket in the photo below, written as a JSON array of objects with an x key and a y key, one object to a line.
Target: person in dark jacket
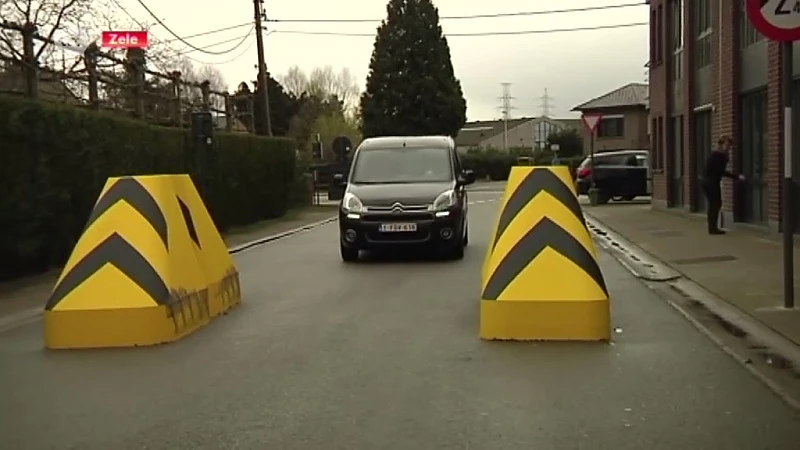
[{"x": 716, "y": 168}]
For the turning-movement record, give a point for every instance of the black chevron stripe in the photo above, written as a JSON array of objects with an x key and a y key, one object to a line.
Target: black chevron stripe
[
  {"x": 118, "y": 252},
  {"x": 545, "y": 234},
  {"x": 535, "y": 182},
  {"x": 132, "y": 192}
]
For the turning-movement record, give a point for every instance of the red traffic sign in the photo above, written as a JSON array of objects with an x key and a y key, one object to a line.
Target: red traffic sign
[
  {"x": 778, "y": 20},
  {"x": 591, "y": 120}
]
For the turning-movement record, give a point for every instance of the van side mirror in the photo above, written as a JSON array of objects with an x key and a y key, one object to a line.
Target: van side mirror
[
  {"x": 338, "y": 180},
  {"x": 467, "y": 177}
]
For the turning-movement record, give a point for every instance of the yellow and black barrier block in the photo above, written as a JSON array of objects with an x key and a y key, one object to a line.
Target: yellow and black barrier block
[
  {"x": 540, "y": 277},
  {"x": 149, "y": 268}
]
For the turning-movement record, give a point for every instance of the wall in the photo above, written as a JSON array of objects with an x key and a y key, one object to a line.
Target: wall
[
  {"x": 658, "y": 79},
  {"x": 520, "y": 136},
  {"x": 732, "y": 72}
]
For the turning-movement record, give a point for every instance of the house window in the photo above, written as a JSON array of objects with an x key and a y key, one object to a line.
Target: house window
[
  {"x": 657, "y": 144},
  {"x": 749, "y": 34},
  {"x": 653, "y": 38},
  {"x": 611, "y": 127},
  {"x": 676, "y": 21},
  {"x": 660, "y": 33},
  {"x": 702, "y": 22}
]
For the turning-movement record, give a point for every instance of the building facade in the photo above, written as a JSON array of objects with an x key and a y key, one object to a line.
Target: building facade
[
  {"x": 712, "y": 75},
  {"x": 525, "y": 132},
  {"x": 624, "y": 120}
]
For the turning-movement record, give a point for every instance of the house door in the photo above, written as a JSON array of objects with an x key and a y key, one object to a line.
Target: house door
[
  {"x": 754, "y": 144},
  {"x": 676, "y": 164},
  {"x": 795, "y": 155},
  {"x": 701, "y": 143}
]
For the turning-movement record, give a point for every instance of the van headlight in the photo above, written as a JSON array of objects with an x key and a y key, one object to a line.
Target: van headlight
[
  {"x": 352, "y": 204},
  {"x": 445, "y": 200}
]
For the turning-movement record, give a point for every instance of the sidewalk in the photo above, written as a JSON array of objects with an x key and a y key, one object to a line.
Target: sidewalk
[
  {"x": 30, "y": 293},
  {"x": 743, "y": 267}
]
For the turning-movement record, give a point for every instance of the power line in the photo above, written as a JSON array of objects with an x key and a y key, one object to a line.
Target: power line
[
  {"x": 234, "y": 58},
  {"x": 183, "y": 41},
  {"x": 471, "y": 16},
  {"x": 130, "y": 16},
  {"x": 206, "y": 63},
  {"x": 491, "y": 33},
  {"x": 206, "y": 33}
]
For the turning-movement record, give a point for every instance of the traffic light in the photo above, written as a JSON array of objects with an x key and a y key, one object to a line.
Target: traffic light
[{"x": 341, "y": 147}]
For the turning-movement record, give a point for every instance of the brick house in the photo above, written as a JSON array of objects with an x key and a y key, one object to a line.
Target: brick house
[
  {"x": 623, "y": 125},
  {"x": 711, "y": 74}
]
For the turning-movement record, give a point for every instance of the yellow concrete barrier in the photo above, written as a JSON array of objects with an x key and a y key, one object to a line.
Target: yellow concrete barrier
[
  {"x": 540, "y": 277},
  {"x": 149, "y": 268}
]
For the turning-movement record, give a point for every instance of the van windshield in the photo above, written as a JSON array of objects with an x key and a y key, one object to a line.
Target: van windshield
[{"x": 402, "y": 165}]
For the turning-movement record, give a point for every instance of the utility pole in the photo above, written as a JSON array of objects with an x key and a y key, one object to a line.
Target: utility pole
[
  {"x": 545, "y": 105},
  {"x": 262, "y": 64},
  {"x": 506, "y": 108}
]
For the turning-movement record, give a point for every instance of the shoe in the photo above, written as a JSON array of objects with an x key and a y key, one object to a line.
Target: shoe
[{"x": 717, "y": 231}]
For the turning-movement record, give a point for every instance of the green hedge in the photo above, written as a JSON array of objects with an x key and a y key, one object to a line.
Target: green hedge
[
  {"x": 496, "y": 165},
  {"x": 55, "y": 159}
]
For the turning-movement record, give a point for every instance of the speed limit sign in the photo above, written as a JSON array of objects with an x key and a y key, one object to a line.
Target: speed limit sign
[{"x": 778, "y": 20}]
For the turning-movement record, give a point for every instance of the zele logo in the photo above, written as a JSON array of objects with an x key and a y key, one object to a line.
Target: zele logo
[{"x": 125, "y": 39}]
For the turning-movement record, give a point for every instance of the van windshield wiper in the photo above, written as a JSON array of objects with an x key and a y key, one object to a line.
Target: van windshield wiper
[{"x": 385, "y": 182}]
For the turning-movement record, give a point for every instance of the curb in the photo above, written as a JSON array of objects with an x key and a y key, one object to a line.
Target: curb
[
  {"x": 754, "y": 329},
  {"x": 20, "y": 318},
  {"x": 636, "y": 260},
  {"x": 274, "y": 237}
]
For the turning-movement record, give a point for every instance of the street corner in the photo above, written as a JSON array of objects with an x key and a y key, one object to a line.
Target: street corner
[{"x": 540, "y": 276}]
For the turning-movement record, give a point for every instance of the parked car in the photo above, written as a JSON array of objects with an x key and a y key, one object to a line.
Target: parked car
[
  {"x": 404, "y": 191},
  {"x": 619, "y": 175}
]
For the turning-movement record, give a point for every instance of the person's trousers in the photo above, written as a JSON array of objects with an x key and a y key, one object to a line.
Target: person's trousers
[{"x": 713, "y": 193}]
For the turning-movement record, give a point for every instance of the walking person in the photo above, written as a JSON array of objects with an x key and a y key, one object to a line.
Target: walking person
[{"x": 716, "y": 168}]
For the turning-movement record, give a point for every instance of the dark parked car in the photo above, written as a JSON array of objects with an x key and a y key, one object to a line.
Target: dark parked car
[
  {"x": 620, "y": 175},
  {"x": 404, "y": 191}
]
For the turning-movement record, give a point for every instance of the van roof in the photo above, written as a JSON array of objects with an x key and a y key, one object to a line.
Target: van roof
[
  {"x": 406, "y": 141},
  {"x": 620, "y": 152}
]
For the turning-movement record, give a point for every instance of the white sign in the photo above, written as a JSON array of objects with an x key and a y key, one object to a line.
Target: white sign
[
  {"x": 554, "y": 147},
  {"x": 778, "y": 20},
  {"x": 591, "y": 121},
  {"x": 783, "y": 14}
]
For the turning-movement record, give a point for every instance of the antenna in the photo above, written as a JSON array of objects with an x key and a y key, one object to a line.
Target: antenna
[
  {"x": 505, "y": 109},
  {"x": 546, "y": 105}
]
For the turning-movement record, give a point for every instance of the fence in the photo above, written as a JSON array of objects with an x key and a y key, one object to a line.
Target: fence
[{"x": 102, "y": 81}]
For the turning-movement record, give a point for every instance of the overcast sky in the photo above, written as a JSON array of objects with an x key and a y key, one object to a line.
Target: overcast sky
[{"x": 574, "y": 66}]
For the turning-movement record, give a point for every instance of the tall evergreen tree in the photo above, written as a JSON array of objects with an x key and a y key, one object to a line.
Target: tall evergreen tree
[{"x": 411, "y": 88}]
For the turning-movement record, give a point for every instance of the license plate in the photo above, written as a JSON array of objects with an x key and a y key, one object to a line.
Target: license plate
[{"x": 398, "y": 227}]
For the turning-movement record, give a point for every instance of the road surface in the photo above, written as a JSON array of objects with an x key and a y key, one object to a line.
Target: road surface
[{"x": 328, "y": 356}]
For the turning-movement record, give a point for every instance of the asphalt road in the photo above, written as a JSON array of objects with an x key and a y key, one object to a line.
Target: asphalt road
[{"x": 385, "y": 355}]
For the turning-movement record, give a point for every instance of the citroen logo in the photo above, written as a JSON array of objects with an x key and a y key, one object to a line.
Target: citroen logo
[{"x": 397, "y": 207}]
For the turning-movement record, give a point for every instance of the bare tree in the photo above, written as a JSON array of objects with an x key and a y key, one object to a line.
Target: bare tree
[
  {"x": 324, "y": 82},
  {"x": 214, "y": 77},
  {"x": 295, "y": 82},
  {"x": 62, "y": 21}
]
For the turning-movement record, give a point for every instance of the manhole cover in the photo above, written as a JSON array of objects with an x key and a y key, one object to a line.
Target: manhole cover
[
  {"x": 704, "y": 259},
  {"x": 666, "y": 233}
]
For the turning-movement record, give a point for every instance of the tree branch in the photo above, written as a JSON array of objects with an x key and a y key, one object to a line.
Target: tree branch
[
  {"x": 9, "y": 44},
  {"x": 60, "y": 17}
]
